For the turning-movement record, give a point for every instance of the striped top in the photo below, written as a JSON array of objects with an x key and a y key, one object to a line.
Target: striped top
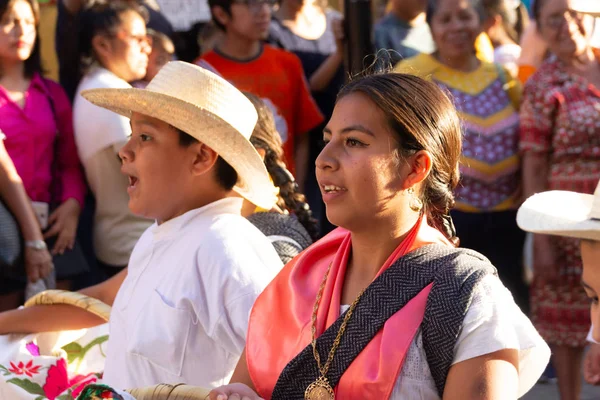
[{"x": 487, "y": 101}]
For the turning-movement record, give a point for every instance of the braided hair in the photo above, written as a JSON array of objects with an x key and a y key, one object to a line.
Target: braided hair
[{"x": 266, "y": 137}]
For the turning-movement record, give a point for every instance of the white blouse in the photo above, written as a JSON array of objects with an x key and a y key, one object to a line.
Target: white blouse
[{"x": 493, "y": 322}]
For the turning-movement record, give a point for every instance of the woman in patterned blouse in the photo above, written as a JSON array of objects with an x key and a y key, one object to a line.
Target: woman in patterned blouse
[
  {"x": 487, "y": 98},
  {"x": 560, "y": 140}
]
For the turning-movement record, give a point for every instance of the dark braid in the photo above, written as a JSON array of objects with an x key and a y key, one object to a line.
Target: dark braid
[{"x": 266, "y": 137}]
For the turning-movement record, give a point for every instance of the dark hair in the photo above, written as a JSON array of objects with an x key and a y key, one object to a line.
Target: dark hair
[
  {"x": 102, "y": 18},
  {"x": 266, "y": 137},
  {"x": 33, "y": 64},
  {"x": 432, "y": 6},
  {"x": 514, "y": 21},
  {"x": 536, "y": 10},
  {"x": 225, "y": 174},
  {"x": 225, "y": 5},
  {"x": 423, "y": 118}
]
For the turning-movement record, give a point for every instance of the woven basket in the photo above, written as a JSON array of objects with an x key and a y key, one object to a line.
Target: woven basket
[
  {"x": 96, "y": 307},
  {"x": 50, "y": 297}
]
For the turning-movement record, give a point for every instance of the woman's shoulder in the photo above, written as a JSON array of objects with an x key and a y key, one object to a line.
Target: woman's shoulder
[
  {"x": 422, "y": 65},
  {"x": 550, "y": 75}
]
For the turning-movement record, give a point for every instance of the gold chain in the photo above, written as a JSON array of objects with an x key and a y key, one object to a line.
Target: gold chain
[{"x": 324, "y": 369}]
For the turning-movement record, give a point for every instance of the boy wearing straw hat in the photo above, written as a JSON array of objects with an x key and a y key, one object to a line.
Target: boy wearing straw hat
[
  {"x": 180, "y": 311},
  {"x": 573, "y": 215}
]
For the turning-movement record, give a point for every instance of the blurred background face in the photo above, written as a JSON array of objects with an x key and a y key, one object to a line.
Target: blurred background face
[
  {"x": 157, "y": 59},
  {"x": 125, "y": 53},
  {"x": 567, "y": 33},
  {"x": 250, "y": 19},
  {"x": 17, "y": 32},
  {"x": 454, "y": 26}
]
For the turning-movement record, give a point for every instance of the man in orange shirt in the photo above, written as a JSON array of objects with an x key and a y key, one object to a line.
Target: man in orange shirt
[{"x": 243, "y": 59}]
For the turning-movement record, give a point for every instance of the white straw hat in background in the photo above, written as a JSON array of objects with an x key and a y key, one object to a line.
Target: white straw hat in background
[
  {"x": 562, "y": 213},
  {"x": 205, "y": 106}
]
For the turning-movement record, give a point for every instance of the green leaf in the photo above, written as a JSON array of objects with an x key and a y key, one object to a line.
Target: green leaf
[
  {"x": 67, "y": 396},
  {"x": 77, "y": 353},
  {"x": 74, "y": 352},
  {"x": 5, "y": 370},
  {"x": 41, "y": 398},
  {"x": 28, "y": 386}
]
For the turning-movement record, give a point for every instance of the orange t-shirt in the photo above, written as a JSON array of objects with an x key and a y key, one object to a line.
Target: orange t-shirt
[{"x": 278, "y": 76}]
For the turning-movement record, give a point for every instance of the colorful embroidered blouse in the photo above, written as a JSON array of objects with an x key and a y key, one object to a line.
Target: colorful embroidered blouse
[
  {"x": 487, "y": 100},
  {"x": 32, "y": 143}
]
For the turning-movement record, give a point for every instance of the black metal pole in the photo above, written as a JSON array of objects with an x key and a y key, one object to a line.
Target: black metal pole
[{"x": 357, "y": 28}]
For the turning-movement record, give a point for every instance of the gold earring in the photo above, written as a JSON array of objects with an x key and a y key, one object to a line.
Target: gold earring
[{"x": 415, "y": 203}]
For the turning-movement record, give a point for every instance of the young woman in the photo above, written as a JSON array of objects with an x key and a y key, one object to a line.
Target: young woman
[
  {"x": 35, "y": 118},
  {"x": 387, "y": 173},
  {"x": 289, "y": 224},
  {"x": 560, "y": 140},
  {"x": 487, "y": 98}
]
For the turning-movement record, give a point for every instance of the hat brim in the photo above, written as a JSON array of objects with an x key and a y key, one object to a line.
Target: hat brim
[
  {"x": 590, "y": 7},
  {"x": 559, "y": 213},
  {"x": 208, "y": 128}
]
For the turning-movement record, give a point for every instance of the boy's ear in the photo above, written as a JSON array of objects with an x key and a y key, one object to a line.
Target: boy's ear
[
  {"x": 204, "y": 158},
  {"x": 220, "y": 15}
]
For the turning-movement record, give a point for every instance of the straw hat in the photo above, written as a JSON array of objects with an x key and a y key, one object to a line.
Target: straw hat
[
  {"x": 591, "y": 7},
  {"x": 205, "y": 106},
  {"x": 562, "y": 213}
]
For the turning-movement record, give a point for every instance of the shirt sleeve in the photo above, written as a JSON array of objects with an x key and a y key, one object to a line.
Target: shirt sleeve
[
  {"x": 537, "y": 119},
  {"x": 494, "y": 322},
  {"x": 70, "y": 172},
  {"x": 307, "y": 114}
]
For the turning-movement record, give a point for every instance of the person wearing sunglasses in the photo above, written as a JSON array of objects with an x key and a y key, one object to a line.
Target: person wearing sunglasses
[
  {"x": 560, "y": 142},
  {"x": 242, "y": 58}
]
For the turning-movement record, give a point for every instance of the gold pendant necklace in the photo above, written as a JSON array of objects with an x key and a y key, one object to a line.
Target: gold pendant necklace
[{"x": 321, "y": 388}]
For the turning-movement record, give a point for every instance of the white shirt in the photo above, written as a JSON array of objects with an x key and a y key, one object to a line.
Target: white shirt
[
  {"x": 182, "y": 313},
  {"x": 493, "y": 322},
  {"x": 182, "y": 14},
  {"x": 100, "y": 134}
]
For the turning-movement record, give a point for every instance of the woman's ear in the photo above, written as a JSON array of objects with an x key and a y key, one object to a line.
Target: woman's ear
[
  {"x": 420, "y": 165},
  {"x": 101, "y": 46}
]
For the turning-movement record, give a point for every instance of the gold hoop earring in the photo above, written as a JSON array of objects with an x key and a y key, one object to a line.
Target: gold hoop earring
[{"x": 415, "y": 203}]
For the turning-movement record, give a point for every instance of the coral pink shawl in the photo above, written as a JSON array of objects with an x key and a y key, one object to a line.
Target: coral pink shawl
[{"x": 280, "y": 322}]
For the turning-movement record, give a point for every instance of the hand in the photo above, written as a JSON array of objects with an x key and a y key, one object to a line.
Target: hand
[
  {"x": 63, "y": 222},
  {"x": 38, "y": 264},
  {"x": 233, "y": 391},
  {"x": 591, "y": 365},
  {"x": 545, "y": 265},
  {"x": 337, "y": 26}
]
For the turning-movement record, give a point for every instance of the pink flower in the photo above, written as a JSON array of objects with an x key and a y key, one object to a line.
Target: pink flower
[
  {"x": 33, "y": 349},
  {"x": 29, "y": 369},
  {"x": 57, "y": 380},
  {"x": 79, "y": 382}
]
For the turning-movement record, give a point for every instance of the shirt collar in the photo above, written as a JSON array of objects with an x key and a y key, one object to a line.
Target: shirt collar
[{"x": 229, "y": 205}]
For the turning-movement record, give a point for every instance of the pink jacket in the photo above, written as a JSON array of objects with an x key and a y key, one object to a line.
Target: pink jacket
[{"x": 31, "y": 141}]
